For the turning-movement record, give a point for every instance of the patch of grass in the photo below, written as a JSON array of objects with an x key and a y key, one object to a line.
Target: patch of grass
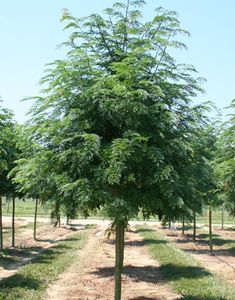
[
  {"x": 184, "y": 273},
  {"x": 31, "y": 281}
]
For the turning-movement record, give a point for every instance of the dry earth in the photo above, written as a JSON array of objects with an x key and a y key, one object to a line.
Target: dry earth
[{"x": 91, "y": 277}]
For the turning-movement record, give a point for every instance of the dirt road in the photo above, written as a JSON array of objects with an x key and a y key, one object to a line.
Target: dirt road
[{"x": 91, "y": 277}]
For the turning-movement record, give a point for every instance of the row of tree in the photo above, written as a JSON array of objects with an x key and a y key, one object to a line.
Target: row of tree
[{"x": 115, "y": 129}]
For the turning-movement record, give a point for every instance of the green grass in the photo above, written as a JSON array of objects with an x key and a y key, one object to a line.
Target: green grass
[
  {"x": 24, "y": 208},
  {"x": 31, "y": 281},
  {"x": 184, "y": 273},
  {"x": 216, "y": 218}
]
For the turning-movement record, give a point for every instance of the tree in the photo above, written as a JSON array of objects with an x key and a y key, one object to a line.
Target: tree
[
  {"x": 225, "y": 162},
  {"x": 211, "y": 188},
  {"x": 7, "y": 157},
  {"x": 114, "y": 117}
]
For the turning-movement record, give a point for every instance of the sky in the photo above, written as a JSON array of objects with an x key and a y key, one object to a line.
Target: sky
[{"x": 30, "y": 32}]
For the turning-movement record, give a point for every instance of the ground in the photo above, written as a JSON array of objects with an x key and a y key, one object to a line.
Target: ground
[
  {"x": 91, "y": 276},
  {"x": 220, "y": 262},
  {"x": 26, "y": 248}
]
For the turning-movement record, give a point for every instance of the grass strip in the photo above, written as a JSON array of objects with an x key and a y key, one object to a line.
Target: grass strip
[
  {"x": 32, "y": 280},
  {"x": 185, "y": 274}
]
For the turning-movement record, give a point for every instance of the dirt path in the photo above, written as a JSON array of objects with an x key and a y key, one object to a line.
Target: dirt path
[
  {"x": 91, "y": 277},
  {"x": 222, "y": 260}
]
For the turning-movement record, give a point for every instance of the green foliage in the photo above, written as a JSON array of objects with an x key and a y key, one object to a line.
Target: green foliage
[
  {"x": 225, "y": 162},
  {"x": 114, "y": 125},
  {"x": 8, "y": 150}
]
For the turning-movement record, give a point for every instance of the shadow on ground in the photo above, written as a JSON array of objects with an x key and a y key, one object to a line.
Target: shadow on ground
[{"x": 152, "y": 274}]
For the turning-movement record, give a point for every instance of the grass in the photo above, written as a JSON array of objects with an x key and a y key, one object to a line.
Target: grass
[
  {"x": 27, "y": 207},
  {"x": 24, "y": 208},
  {"x": 32, "y": 280},
  {"x": 184, "y": 273},
  {"x": 216, "y": 218}
]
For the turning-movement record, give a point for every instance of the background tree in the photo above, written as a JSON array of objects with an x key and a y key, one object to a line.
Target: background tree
[
  {"x": 225, "y": 162},
  {"x": 7, "y": 157}
]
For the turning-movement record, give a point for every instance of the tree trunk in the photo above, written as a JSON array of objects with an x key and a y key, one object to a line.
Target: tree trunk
[
  {"x": 35, "y": 220},
  {"x": 183, "y": 226},
  {"x": 169, "y": 224},
  {"x": 194, "y": 226},
  {"x": 1, "y": 237},
  {"x": 222, "y": 218},
  {"x": 119, "y": 260},
  {"x": 13, "y": 222},
  {"x": 59, "y": 222},
  {"x": 210, "y": 229}
]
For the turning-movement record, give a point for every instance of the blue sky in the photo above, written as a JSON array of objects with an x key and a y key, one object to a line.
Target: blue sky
[{"x": 31, "y": 30}]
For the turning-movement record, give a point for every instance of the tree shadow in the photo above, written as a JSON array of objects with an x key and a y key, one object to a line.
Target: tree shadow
[
  {"x": 138, "y": 243},
  {"x": 146, "y": 298},
  {"x": 217, "y": 252},
  {"x": 19, "y": 281},
  {"x": 205, "y": 235},
  {"x": 221, "y": 242},
  {"x": 144, "y": 230},
  {"x": 146, "y": 241},
  {"x": 192, "y": 297},
  {"x": 13, "y": 259},
  {"x": 152, "y": 274},
  {"x": 228, "y": 229},
  {"x": 186, "y": 228},
  {"x": 175, "y": 272},
  {"x": 55, "y": 241},
  {"x": 203, "y": 240}
]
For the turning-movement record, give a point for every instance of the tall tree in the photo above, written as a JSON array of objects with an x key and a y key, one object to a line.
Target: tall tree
[{"x": 114, "y": 117}]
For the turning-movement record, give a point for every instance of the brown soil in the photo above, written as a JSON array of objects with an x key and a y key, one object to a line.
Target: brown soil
[
  {"x": 222, "y": 259},
  {"x": 91, "y": 277}
]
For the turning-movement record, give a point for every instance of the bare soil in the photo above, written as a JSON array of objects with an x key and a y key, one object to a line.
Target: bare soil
[
  {"x": 221, "y": 261},
  {"x": 92, "y": 275}
]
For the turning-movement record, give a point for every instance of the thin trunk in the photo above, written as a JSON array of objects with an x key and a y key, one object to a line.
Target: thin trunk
[
  {"x": 210, "y": 229},
  {"x": 169, "y": 224},
  {"x": 123, "y": 244},
  {"x": 222, "y": 218},
  {"x": 59, "y": 220},
  {"x": 183, "y": 226},
  {"x": 35, "y": 220},
  {"x": 194, "y": 226},
  {"x": 13, "y": 222},
  {"x": 119, "y": 260},
  {"x": 1, "y": 237}
]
